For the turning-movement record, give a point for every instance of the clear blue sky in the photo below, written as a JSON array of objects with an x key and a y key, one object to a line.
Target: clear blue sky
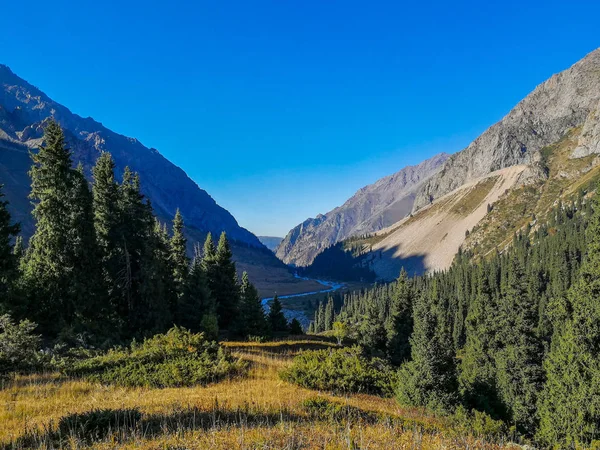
[{"x": 283, "y": 109}]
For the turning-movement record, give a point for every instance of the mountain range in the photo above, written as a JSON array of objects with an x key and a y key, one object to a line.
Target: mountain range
[
  {"x": 372, "y": 208},
  {"x": 542, "y": 152},
  {"x": 24, "y": 110}
]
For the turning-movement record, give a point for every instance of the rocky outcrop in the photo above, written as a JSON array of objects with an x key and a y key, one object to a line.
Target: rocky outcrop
[
  {"x": 372, "y": 208},
  {"x": 565, "y": 101}
]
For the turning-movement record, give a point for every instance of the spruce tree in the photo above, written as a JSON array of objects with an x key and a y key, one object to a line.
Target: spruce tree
[
  {"x": 429, "y": 379},
  {"x": 277, "y": 321},
  {"x": 251, "y": 320},
  {"x": 400, "y": 324},
  {"x": 109, "y": 232},
  {"x": 570, "y": 403},
  {"x": 371, "y": 331},
  {"x": 179, "y": 259},
  {"x": 224, "y": 284},
  {"x": 329, "y": 314},
  {"x": 8, "y": 255},
  {"x": 61, "y": 261},
  {"x": 196, "y": 303},
  {"x": 477, "y": 367},
  {"x": 519, "y": 359},
  {"x": 296, "y": 327}
]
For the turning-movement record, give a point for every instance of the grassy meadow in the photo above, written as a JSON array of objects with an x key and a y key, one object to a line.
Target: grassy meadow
[{"x": 253, "y": 411}]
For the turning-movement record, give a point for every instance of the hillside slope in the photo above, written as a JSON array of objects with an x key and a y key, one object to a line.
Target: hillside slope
[
  {"x": 23, "y": 111},
  {"x": 543, "y": 152},
  {"x": 372, "y": 208},
  {"x": 566, "y": 100}
]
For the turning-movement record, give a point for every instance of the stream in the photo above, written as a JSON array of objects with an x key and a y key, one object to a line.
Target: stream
[{"x": 330, "y": 286}]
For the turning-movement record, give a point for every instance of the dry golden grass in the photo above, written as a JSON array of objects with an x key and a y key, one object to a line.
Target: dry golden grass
[{"x": 258, "y": 411}]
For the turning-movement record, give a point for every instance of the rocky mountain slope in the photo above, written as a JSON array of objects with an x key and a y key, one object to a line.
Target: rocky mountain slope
[
  {"x": 372, "y": 208},
  {"x": 566, "y": 100},
  {"x": 543, "y": 152},
  {"x": 23, "y": 111}
]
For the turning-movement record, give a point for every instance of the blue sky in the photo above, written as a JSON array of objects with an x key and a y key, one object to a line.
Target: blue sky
[{"x": 283, "y": 109}]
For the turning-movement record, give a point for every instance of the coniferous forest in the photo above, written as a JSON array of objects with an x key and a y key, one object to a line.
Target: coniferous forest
[
  {"x": 514, "y": 335},
  {"x": 101, "y": 270}
]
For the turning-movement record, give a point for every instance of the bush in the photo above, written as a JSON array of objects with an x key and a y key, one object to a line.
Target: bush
[
  {"x": 19, "y": 346},
  {"x": 479, "y": 424},
  {"x": 320, "y": 408},
  {"x": 177, "y": 358},
  {"x": 343, "y": 370}
]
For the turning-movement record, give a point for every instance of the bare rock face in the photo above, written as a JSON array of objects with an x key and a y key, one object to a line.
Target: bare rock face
[
  {"x": 23, "y": 111},
  {"x": 567, "y": 100},
  {"x": 589, "y": 139},
  {"x": 372, "y": 208}
]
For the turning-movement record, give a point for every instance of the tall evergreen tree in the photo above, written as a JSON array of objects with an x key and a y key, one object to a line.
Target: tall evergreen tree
[
  {"x": 277, "y": 321},
  {"x": 225, "y": 288},
  {"x": 8, "y": 257},
  {"x": 179, "y": 258},
  {"x": 429, "y": 379},
  {"x": 570, "y": 402},
  {"x": 251, "y": 320},
  {"x": 477, "y": 368},
  {"x": 196, "y": 303},
  {"x": 61, "y": 259},
  {"x": 519, "y": 359},
  {"x": 400, "y": 323},
  {"x": 329, "y": 314},
  {"x": 108, "y": 220}
]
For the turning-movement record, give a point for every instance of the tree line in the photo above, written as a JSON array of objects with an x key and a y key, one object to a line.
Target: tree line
[
  {"x": 515, "y": 335},
  {"x": 101, "y": 269}
]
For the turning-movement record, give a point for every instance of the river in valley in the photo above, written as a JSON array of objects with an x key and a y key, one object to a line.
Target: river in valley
[{"x": 329, "y": 286}]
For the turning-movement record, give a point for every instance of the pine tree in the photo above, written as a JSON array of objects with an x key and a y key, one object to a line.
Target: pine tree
[
  {"x": 400, "y": 324},
  {"x": 296, "y": 327},
  {"x": 329, "y": 314},
  {"x": 429, "y": 379},
  {"x": 109, "y": 232},
  {"x": 60, "y": 269},
  {"x": 196, "y": 302},
  {"x": 570, "y": 403},
  {"x": 477, "y": 368},
  {"x": 277, "y": 321},
  {"x": 251, "y": 319},
  {"x": 222, "y": 279},
  {"x": 371, "y": 331},
  {"x": 8, "y": 255},
  {"x": 320, "y": 318},
  {"x": 518, "y": 361},
  {"x": 179, "y": 259}
]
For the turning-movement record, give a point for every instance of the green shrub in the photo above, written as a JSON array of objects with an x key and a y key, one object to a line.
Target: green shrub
[
  {"x": 177, "y": 358},
  {"x": 19, "y": 346},
  {"x": 479, "y": 424},
  {"x": 320, "y": 408},
  {"x": 343, "y": 370}
]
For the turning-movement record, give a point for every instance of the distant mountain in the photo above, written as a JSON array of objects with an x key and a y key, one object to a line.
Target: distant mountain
[
  {"x": 372, "y": 208},
  {"x": 24, "y": 109},
  {"x": 271, "y": 242},
  {"x": 544, "y": 151}
]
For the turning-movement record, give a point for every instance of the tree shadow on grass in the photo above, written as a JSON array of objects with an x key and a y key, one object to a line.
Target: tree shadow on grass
[
  {"x": 122, "y": 425},
  {"x": 126, "y": 425}
]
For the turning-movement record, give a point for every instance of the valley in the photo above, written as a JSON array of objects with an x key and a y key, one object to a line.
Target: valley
[{"x": 452, "y": 303}]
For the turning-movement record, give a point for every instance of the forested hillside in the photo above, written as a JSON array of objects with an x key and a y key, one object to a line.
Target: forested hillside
[
  {"x": 513, "y": 335},
  {"x": 101, "y": 269}
]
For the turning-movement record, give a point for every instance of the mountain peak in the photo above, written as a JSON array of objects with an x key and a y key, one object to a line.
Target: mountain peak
[{"x": 370, "y": 209}]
